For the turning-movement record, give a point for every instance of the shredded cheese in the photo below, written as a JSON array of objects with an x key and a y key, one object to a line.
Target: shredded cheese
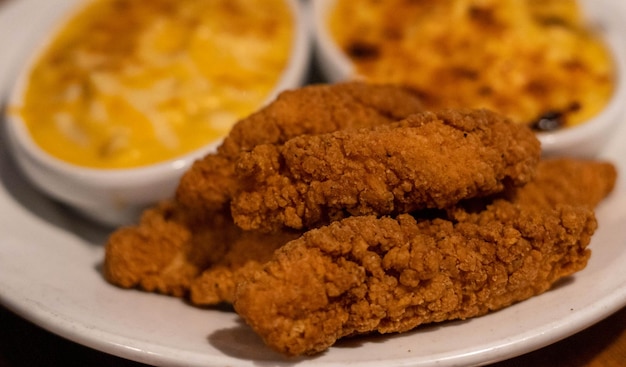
[{"x": 128, "y": 83}]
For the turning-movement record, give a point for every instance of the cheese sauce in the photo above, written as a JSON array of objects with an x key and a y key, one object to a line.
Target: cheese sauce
[
  {"x": 127, "y": 83},
  {"x": 529, "y": 59}
]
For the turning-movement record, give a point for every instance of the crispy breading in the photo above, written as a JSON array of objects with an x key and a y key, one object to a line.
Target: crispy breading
[
  {"x": 560, "y": 180},
  {"x": 568, "y": 181},
  {"x": 367, "y": 274},
  {"x": 164, "y": 252},
  {"x": 246, "y": 254},
  {"x": 337, "y": 158},
  {"x": 177, "y": 240},
  {"x": 156, "y": 255},
  {"x": 313, "y": 109},
  {"x": 168, "y": 254},
  {"x": 557, "y": 181},
  {"x": 428, "y": 160}
]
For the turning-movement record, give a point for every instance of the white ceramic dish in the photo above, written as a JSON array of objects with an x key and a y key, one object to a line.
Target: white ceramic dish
[
  {"x": 585, "y": 140},
  {"x": 49, "y": 274},
  {"x": 116, "y": 197}
]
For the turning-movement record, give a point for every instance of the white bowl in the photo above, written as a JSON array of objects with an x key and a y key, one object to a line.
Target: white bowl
[
  {"x": 584, "y": 140},
  {"x": 117, "y": 196}
]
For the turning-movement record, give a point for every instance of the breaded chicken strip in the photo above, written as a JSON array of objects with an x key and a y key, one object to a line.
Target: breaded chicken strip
[
  {"x": 246, "y": 254},
  {"x": 365, "y": 274},
  {"x": 314, "y": 109},
  {"x": 427, "y": 160},
  {"x": 169, "y": 254},
  {"x": 165, "y": 252},
  {"x": 177, "y": 240},
  {"x": 161, "y": 254},
  {"x": 568, "y": 181},
  {"x": 557, "y": 181}
]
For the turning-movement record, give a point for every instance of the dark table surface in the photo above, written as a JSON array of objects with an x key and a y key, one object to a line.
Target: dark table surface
[{"x": 25, "y": 344}]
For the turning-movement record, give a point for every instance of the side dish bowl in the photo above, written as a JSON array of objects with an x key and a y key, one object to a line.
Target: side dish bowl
[
  {"x": 585, "y": 139},
  {"x": 117, "y": 196}
]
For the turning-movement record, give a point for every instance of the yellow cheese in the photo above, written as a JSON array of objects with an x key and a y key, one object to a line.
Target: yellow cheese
[
  {"x": 127, "y": 83},
  {"x": 523, "y": 58}
]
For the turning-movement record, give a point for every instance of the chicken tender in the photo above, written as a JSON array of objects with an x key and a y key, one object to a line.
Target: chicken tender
[
  {"x": 427, "y": 160},
  {"x": 367, "y": 274},
  {"x": 168, "y": 254},
  {"x": 163, "y": 255},
  {"x": 246, "y": 254},
  {"x": 164, "y": 252},
  {"x": 177, "y": 240},
  {"x": 557, "y": 181},
  {"x": 568, "y": 181},
  {"x": 209, "y": 184},
  {"x": 344, "y": 209}
]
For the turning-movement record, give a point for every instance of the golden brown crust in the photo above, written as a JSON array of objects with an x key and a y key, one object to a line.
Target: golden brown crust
[
  {"x": 314, "y": 109},
  {"x": 178, "y": 239},
  {"x": 365, "y": 274},
  {"x": 157, "y": 255},
  {"x": 301, "y": 291},
  {"x": 570, "y": 181},
  {"x": 163, "y": 253},
  {"x": 427, "y": 160},
  {"x": 247, "y": 253}
]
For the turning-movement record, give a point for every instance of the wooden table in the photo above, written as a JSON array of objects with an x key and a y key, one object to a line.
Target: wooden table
[{"x": 24, "y": 344}]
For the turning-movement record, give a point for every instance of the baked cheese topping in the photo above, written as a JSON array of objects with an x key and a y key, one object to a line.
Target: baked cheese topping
[
  {"x": 533, "y": 60},
  {"x": 127, "y": 83}
]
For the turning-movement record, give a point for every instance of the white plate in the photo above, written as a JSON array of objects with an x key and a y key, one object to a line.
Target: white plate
[{"x": 49, "y": 274}]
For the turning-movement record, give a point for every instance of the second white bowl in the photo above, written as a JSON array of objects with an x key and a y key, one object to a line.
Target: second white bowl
[{"x": 584, "y": 140}]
